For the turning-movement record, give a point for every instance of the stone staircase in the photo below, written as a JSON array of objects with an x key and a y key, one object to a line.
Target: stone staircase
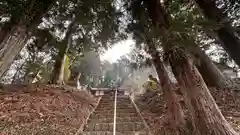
[{"x": 128, "y": 121}]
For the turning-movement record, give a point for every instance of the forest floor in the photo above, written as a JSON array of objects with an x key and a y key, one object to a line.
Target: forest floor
[
  {"x": 153, "y": 109},
  {"x": 54, "y": 110},
  {"x": 26, "y": 110}
]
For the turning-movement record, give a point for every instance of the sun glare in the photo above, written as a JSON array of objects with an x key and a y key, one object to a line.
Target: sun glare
[{"x": 120, "y": 49}]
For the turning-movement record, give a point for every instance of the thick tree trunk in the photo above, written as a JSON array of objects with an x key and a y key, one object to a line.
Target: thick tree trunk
[
  {"x": 207, "y": 118},
  {"x": 61, "y": 73},
  {"x": 14, "y": 35},
  {"x": 231, "y": 42},
  {"x": 30, "y": 17},
  {"x": 58, "y": 71},
  {"x": 10, "y": 47},
  {"x": 174, "y": 110},
  {"x": 209, "y": 71},
  {"x": 206, "y": 115},
  {"x": 225, "y": 32},
  {"x": 176, "y": 117},
  {"x": 6, "y": 30}
]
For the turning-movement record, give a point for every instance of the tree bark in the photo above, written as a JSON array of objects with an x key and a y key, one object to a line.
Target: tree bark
[
  {"x": 225, "y": 32},
  {"x": 209, "y": 71},
  {"x": 58, "y": 71},
  {"x": 61, "y": 74},
  {"x": 207, "y": 118},
  {"x": 11, "y": 46},
  {"x": 14, "y": 35},
  {"x": 174, "y": 110},
  {"x": 6, "y": 30},
  {"x": 160, "y": 19}
]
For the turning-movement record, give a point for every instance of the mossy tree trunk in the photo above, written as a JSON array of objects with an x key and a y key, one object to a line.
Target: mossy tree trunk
[
  {"x": 58, "y": 71},
  {"x": 15, "y": 34},
  {"x": 175, "y": 114},
  {"x": 209, "y": 71},
  {"x": 206, "y": 116},
  {"x": 10, "y": 47}
]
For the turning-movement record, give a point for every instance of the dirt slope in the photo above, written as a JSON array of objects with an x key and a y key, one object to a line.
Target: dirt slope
[
  {"x": 48, "y": 110},
  {"x": 153, "y": 109}
]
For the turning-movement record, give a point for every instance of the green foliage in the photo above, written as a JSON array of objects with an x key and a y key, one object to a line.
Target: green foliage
[
  {"x": 96, "y": 24},
  {"x": 188, "y": 27},
  {"x": 25, "y": 12},
  {"x": 99, "y": 24}
]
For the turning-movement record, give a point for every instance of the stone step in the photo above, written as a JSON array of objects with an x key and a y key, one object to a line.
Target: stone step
[
  {"x": 118, "y": 114},
  {"x": 117, "y": 133},
  {"x": 106, "y": 115},
  {"x": 112, "y": 98},
  {"x": 120, "y": 126},
  {"x": 111, "y": 106},
  {"x": 118, "y": 108},
  {"x": 118, "y": 119},
  {"x": 128, "y": 122},
  {"x": 118, "y": 111},
  {"x": 118, "y": 100},
  {"x": 112, "y": 102}
]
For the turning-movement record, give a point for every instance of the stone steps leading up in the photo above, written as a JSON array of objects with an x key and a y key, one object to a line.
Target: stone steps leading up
[
  {"x": 119, "y": 111},
  {"x": 109, "y": 120},
  {"x": 123, "y": 126},
  {"x": 117, "y": 133},
  {"x": 118, "y": 107},
  {"x": 128, "y": 122},
  {"x": 107, "y": 115}
]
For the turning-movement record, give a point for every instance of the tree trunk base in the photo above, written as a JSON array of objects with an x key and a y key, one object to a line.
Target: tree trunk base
[{"x": 168, "y": 129}]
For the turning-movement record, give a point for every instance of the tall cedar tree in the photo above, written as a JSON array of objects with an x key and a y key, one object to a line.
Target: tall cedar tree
[
  {"x": 15, "y": 33},
  {"x": 202, "y": 106}
]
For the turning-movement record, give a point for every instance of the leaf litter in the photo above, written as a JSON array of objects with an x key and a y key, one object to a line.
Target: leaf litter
[
  {"x": 48, "y": 110},
  {"x": 153, "y": 108}
]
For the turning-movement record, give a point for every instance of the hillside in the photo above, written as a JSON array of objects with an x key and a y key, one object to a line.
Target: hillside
[
  {"x": 153, "y": 109},
  {"x": 37, "y": 110}
]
